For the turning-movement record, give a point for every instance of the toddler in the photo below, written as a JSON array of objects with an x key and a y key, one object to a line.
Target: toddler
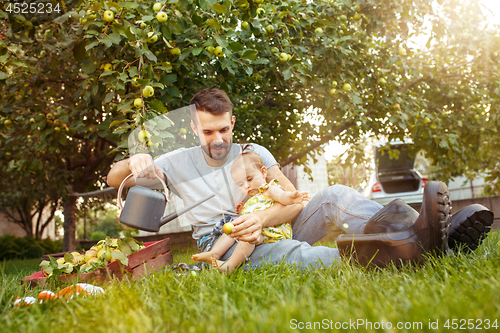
[{"x": 250, "y": 174}]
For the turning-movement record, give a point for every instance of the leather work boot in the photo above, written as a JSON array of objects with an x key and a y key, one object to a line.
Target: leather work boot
[
  {"x": 429, "y": 233},
  {"x": 469, "y": 227},
  {"x": 397, "y": 215}
]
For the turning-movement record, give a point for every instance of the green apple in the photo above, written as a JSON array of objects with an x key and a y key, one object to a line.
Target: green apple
[
  {"x": 228, "y": 228},
  {"x": 32, "y": 120},
  {"x": 138, "y": 103},
  {"x": 49, "y": 116},
  {"x": 182, "y": 131},
  {"x": 357, "y": 16},
  {"x": 245, "y": 6},
  {"x": 318, "y": 30},
  {"x": 157, "y": 6},
  {"x": 347, "y": 87},
  {"x": 152, "y": 38},
  {"x": 109, "y": 16},
  {"x": 161, "y": 16},
  {"x": 283, "y": 57},
  {"x": 7, "y": 122},
  {"x": 333, "y": 91},
  {"x": 143, "y": 136},
  {"x": 210, "y": 49},
  {"x": 258, "y": 1},
  {"x": 427, "y": 120},
  {"x": 343, "y": 18},
  {"x": 108, "y": 67},
  {"x": 244, "y": 25},
  {"x": 57, "y": 129},
  {"x": 381, "y": 81},
  {"x": 175, "y": 51},
  {"x": 402, "y": 51},
  {"x": 260, "y": 11},
  {"x": 270, "y": 29},
  {"x": 218, "y": 51},
  {"x": 334, "y": 83},
  {"x": 148, "y": 91},
  {"x": 135, "y": 83}
]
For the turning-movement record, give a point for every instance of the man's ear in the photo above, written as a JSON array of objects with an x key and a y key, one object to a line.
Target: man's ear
[
  {"x": 193, "y": 127},
  {"x": 233, "y": 119}
]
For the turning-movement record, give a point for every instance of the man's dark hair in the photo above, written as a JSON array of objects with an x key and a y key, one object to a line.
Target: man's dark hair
[{"x": 213, "y": 100}]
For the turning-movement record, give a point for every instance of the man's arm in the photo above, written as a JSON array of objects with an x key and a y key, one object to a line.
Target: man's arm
[
  {"x": 140, "y": 165},
  {"x": 248, "y": 227}
]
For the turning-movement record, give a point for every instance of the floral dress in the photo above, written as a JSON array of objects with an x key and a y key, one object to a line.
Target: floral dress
[{"x": 260, "y": 202}]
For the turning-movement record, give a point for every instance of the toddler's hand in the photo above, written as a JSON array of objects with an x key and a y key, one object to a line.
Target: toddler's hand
[
  {"x": 305, "y": 196},
  {"x": 239, "y": 207}
]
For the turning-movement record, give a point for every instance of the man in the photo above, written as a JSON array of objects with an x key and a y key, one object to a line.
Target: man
[{"x": 194, "y": 173}]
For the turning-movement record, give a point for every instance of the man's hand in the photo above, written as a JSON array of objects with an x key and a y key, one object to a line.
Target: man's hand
[
  {"x": 142, "y": 165},
  {"x": 247, "y": 228}
]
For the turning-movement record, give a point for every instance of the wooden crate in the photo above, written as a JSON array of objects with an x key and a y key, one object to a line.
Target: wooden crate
[{"x": 154, "y": 256}]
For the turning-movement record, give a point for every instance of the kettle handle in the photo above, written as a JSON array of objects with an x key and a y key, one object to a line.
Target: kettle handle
[{"x": 120, "y": 189}]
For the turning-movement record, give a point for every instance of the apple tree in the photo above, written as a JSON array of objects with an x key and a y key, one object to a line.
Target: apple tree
[{"x": 300, "y": 74}]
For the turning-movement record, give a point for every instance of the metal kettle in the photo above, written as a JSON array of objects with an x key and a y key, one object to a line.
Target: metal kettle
[{"x": 144, "y": 207}]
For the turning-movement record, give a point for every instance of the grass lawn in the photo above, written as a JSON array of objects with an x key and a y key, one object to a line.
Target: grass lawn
[{"x": 461, "y": 287}]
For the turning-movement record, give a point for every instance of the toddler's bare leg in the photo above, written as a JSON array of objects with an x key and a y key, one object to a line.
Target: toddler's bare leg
[
  {"x": 220, "y": 247},
  {"x": 242, "y": 251}
]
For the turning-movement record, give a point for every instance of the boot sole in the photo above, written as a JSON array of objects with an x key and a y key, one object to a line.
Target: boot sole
[
  {"x": 469, "y": 227},
  {"x": 441, "y": 206}
]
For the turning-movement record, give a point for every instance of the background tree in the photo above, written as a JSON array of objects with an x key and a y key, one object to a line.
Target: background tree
[{"x": 351, "y": 66}]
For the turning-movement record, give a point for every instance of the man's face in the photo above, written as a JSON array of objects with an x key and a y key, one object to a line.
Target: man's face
[{"x": 215, "y": 133}]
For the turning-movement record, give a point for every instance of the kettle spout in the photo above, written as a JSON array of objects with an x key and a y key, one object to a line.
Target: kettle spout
[{"x": 170, "y": 217}]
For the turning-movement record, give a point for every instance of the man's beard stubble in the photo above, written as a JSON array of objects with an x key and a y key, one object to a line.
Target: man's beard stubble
[{"x": 226, "y": 146}]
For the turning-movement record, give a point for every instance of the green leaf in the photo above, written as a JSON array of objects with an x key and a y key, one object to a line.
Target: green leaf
[
  {"x": 63, "y": 140},
  {"x": 68, "y": 257},
  {"x": 3, "y": 58},
  {"x": 175, "y": 27},
  {"x": 250, "y": 54},
  {"x": 287, "y": 74},
  {"x": 249, "y": 70},
  {"x": 221, "y": 9},
  {"x": 443, "y": 144},
  {"x": 157, "y": 105},
  {"x": 197, "y": 19},
  {"x": 170, "y": 78},
  {"x": 261, "y": 61},
  {"x": 3, "y": 75},
  {"x": 132, "y": 243},
  {"x": 89, "y": 68},
  {"x": 114, "y": 38},
  {"x": 61, "y": 19},
  {"x": 120, "y": 256},
  {"x": 213, "y": 23},
  {"x": 91, "y": 45},
  {"x": 356, "y": 99},
  {"x": 173, "y": 91},
  {"x": 79, "y": 51},
  {"x": 197, "y": 50},
  {"x": 163, "y": 123},
  {"x": 130, "y": 5},
  {"x": 236, "y": 47},
  {"x": 124, "y": 247}
]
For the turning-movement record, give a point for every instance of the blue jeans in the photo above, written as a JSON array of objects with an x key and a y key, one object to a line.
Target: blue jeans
[{"x": 337, "y": 207}]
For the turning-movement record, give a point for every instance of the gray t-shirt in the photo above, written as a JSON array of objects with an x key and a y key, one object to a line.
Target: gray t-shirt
[{"x": 192, "y": 179}]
